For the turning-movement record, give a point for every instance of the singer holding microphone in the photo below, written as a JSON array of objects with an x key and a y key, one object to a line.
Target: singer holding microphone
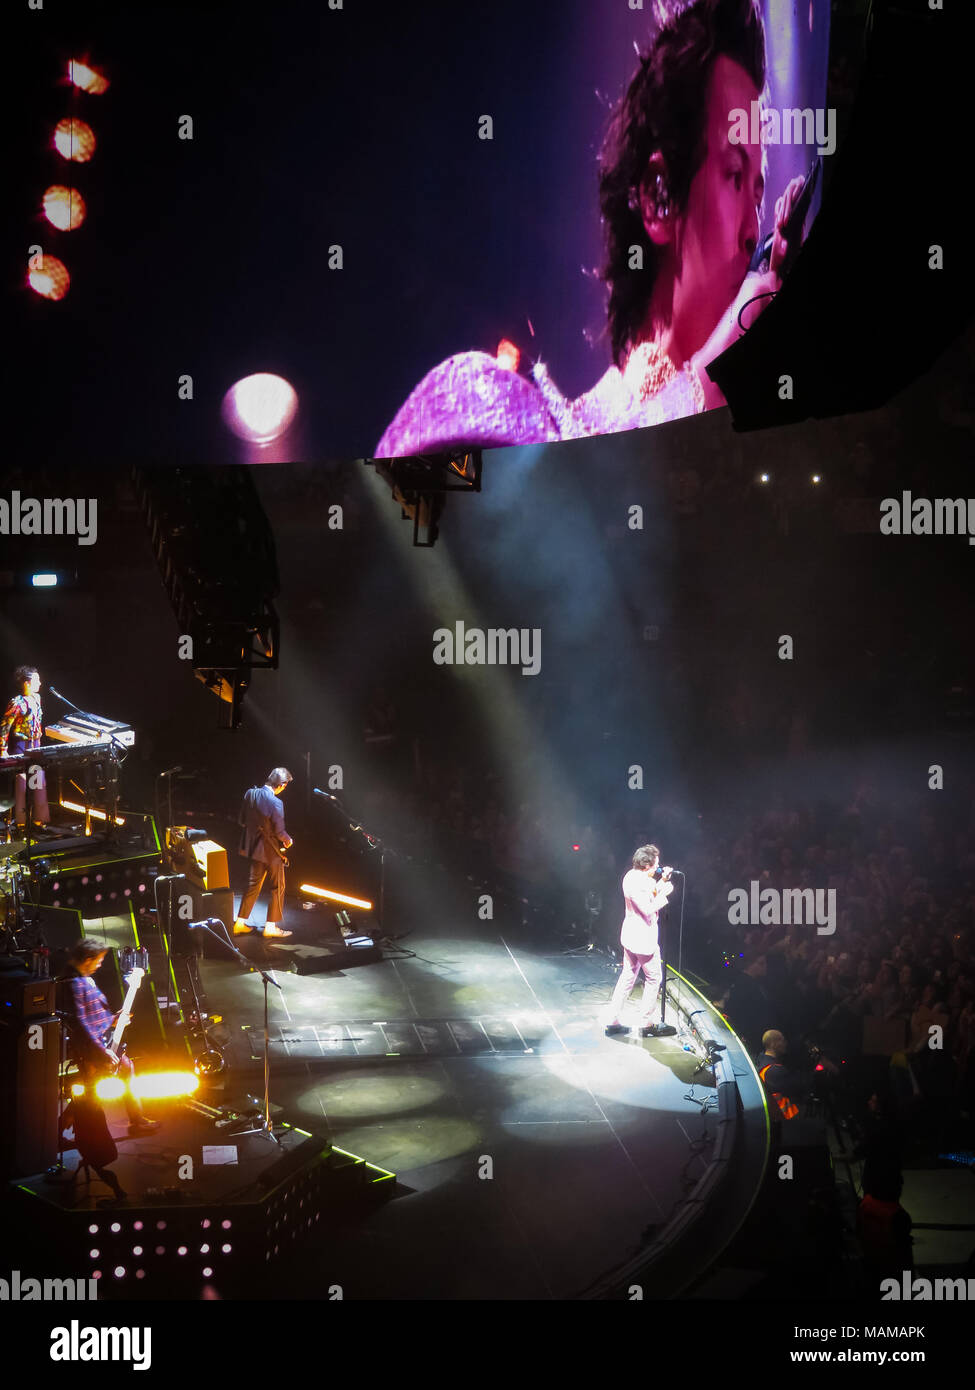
[{"x": 644, "y": 896}]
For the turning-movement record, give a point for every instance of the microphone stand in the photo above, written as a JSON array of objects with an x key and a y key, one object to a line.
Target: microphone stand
[
  {"x": 57, "y": 1171},
  {"x": 265, "y": 1127},
  {"x": 664, "y": 1029},
  {"x": 374, "y": 842}
]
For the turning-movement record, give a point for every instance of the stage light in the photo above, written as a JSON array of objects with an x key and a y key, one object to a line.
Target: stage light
[
  {"x": 763, "y": 478},
  {"x": 508, "y": 355},
  {"x": 74, "y": 140},
  {"x": 260, "y": 408},
  {"x": 50, "y": 279},
  {"x": 333, "y": 897},
  {"x": 63, "y": 207},
  {"x": 163, "y": 1085},
  {"x": 78, "y": 1090},
  {"x": 98, "y": 815},
  {"x": 109, "y": 1088},
  {"x": 89, "y": 79},
  {"x": 817, "y": 478},
  {"x": 44, "y": 581}
]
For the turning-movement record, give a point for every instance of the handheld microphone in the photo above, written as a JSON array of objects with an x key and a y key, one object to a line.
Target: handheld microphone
[
  {"x": 317, "y": 791},
  {"x": 793, "y": 228}
]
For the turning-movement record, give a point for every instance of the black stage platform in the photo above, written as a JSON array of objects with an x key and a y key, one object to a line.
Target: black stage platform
[{"x": 205, "y": 1207}]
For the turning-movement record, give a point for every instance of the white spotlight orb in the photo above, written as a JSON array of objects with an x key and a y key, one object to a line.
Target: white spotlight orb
[{"x": 260, "y": 408}]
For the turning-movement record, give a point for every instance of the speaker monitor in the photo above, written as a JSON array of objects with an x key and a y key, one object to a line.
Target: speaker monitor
[{"x": 29, "y": 1061}]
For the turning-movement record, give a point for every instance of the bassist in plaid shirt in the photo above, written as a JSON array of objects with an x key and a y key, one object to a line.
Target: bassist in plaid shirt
[{"x": 90, "y": 1023}]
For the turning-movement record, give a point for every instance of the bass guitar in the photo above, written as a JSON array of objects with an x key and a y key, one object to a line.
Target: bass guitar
[{"x": 133, "y": 979}]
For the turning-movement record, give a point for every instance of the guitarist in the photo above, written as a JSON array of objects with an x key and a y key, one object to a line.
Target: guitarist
[
  {"x": 90, "y": 1024},
  {"x": 263, "y": 841}
]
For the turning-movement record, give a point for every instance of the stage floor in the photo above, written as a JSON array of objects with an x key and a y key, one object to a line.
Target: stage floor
[{"x": 532, "y": 1152}]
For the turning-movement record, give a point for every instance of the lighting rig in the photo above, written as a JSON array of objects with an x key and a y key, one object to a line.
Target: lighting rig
[
  {"x": 420, "y": 485},
  {"x": 215, "y": 551}
]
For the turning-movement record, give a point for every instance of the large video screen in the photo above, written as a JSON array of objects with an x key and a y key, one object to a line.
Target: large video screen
[{"x": 385, "y": 230}]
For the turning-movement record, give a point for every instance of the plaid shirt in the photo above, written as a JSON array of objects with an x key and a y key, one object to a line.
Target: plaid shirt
[
  {"x": 89, "y": 1015},
  {"x": 22, "y": 722}
]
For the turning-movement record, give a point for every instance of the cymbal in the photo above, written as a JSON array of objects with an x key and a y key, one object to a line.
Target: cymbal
[{"x": 15, "y": 847}]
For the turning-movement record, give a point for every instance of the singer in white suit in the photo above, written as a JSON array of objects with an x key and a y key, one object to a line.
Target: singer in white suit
[{"x": 644, "y": 897}]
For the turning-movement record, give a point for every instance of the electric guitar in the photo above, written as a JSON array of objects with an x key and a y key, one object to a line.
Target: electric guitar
[
  {"x": 272, "y": 843},
  {"x": 114, "y": 1040}
]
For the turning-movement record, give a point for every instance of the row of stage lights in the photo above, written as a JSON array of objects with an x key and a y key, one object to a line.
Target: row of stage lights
[
  {"x": 814, "y": 478},
  {"x": 259, "y": 408},
  {"x": 62, "y": 204}
]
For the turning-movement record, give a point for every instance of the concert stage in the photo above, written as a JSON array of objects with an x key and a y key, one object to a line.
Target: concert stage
[{"x": 536, "y": 1157}]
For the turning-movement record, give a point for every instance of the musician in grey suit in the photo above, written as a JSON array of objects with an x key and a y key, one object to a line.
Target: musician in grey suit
[{"x": 263, "y": 841}]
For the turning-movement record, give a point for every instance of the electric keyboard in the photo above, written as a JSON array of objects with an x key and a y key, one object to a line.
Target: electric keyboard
[
  {"x": 78, "y": 727},
  {"x": 60, "y": 756}
]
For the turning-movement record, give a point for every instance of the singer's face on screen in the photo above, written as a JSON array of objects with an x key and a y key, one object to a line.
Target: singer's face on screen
[{"x": 717, "y": 233}]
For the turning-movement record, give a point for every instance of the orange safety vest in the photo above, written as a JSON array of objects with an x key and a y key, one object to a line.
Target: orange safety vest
[{"x": 789, "y": 1110}]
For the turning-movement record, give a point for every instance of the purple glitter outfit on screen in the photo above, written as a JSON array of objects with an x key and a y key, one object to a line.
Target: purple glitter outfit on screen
[{"x": 471, "y": 399}]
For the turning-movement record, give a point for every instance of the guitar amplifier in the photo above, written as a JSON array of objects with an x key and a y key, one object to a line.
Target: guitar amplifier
[
  {"x": 202, "y": 860},
  {"x": 22, "y": 996},
  {"x": 210, "y": 861},
  {"x": 219, "y": 903},
  {"x": 29, "y": 1058}
]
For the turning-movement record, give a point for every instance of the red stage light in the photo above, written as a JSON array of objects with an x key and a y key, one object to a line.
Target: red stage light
[
  {"x": 64, "y": 207},
  {"x": 508, "y": 355},
  {"x": 74, "y": 139},
  {"x": 575, "y": 848},
  {"x": 50, "y": 279},
  {"x": 87, "y": 78}
]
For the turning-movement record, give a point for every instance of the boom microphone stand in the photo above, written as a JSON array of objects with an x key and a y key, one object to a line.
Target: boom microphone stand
[
  {"x": 374, "y": 843},
  {"x": 265, "y": 1127}
]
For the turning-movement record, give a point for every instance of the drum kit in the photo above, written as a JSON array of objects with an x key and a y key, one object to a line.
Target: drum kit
[{"x": 14, "y": 883}]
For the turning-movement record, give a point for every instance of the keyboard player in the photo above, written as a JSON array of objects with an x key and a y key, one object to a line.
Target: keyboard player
[{"x": 20, "y": 732}]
